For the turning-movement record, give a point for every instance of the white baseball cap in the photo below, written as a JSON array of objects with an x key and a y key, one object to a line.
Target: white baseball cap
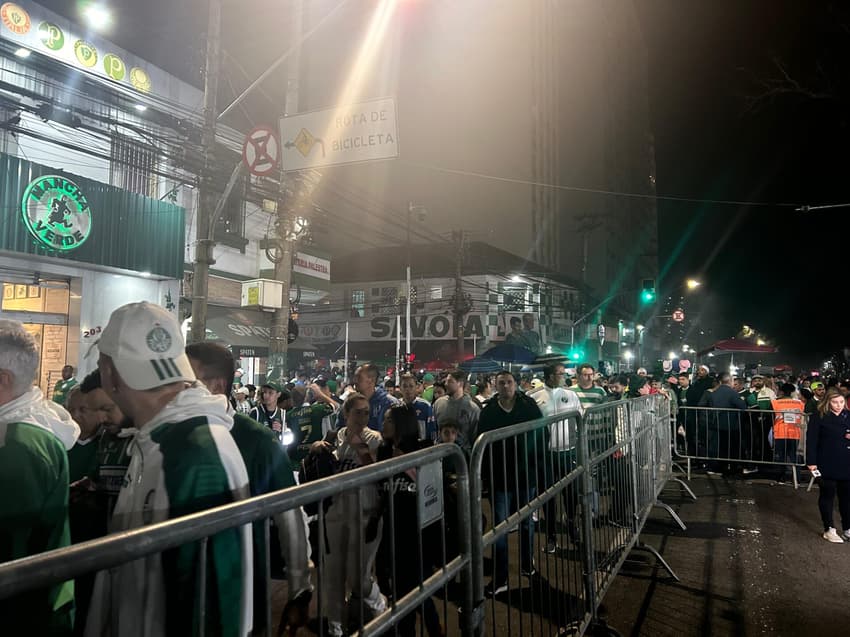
[{"x": 145, "y": 344}]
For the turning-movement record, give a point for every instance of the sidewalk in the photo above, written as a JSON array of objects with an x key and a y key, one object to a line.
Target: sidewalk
[{"x": 751, "y": 562}]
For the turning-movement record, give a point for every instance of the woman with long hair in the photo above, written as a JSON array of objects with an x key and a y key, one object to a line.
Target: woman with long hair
[
  {"x": 353, "y": 523},
  {"x": 828, "y": 452}
]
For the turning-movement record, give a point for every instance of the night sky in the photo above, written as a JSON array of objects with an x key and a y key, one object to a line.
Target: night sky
[
  {"x": 777, "y": 269},
  {"x": 772, "y": 267}
]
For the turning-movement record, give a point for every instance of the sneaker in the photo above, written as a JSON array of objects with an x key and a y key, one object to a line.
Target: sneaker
[
  {"x": 551, "y": 546},
  {"x": 831, "y": 535},
  {"x": 846, "y": 535},
  {"x": 713, "y": 473},
  {"x": 492, "y": 589},
  {"x": 529, "y": 573},
  {"x": 748, "y": 470}
]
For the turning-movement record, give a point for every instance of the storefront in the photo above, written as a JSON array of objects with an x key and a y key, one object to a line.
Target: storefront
[{"x": 72, "y": 250}]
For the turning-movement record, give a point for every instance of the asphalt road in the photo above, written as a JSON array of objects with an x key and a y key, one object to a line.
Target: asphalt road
[{"x": 751, "y": 562}]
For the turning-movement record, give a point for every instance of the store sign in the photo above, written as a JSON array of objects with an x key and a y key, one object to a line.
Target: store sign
[
  {"x": 440, "y": 326},
  {"x": 56, "y": 213},
  {"x": 55, "y": 38},
  {"x": 309, "y": 265}
]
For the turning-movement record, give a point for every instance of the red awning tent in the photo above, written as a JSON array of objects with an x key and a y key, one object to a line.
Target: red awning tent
[{"x": 734, "y": 346}]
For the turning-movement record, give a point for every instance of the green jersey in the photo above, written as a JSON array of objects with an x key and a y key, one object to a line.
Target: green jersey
[
  {"x": 33, "y": 519},
  {"x": 590, "y": 397},
  {"x": 268, "y": 470},
  {"x": 308, "y": 424},
  {"x": 82, "y": 459},
  {"x": 179, "y": 466},
  {"x": 60, "y": 391}
]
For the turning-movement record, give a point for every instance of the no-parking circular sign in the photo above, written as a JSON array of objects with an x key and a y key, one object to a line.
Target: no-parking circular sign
[{"x": 261, "y": 151}]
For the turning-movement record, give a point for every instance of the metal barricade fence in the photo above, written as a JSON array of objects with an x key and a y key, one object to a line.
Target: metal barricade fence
[
  {"x": 750, "y": 440},
  {"x": 421, "y": 537},
  {"x": 608, "y": 485},
  {"x": 522, "y": 474}
]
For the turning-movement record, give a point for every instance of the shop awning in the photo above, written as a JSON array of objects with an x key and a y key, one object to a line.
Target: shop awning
[
  {"x": 247, "y": 332},
  {"x": 734, "y": 346}
]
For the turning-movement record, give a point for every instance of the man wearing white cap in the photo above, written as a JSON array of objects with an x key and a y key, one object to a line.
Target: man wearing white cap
[{"x": 183, "y": 460}]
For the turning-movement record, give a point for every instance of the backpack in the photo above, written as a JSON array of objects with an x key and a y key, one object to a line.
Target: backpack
[{"x": 315, "y": 467}]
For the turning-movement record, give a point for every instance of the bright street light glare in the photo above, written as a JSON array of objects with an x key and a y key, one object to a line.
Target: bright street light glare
[
  {"x": 515, "y": 279},
  {"x": 693, "y": 284},
  {"x": 671, "y": 355},
  {"x": 97, "y": 16},
  {"x": 141, "y": 108},
  {"x": 22, "y": 53},
  {"x": 628, "y": 355}
]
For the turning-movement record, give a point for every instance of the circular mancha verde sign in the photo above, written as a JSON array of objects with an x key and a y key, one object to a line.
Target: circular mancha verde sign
[{"x": 56, "y": 213}]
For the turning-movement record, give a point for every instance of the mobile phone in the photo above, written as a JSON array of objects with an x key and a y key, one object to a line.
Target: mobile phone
[{"x": 816, "y": 474}]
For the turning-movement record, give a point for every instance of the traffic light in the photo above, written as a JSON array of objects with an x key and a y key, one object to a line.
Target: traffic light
[
  {"x": 576, "y": 354},
  {"x": 647, "y": 292}
]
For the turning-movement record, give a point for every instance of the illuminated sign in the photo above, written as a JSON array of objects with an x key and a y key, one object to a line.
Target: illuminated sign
[
  {"x": 59, "y": 39},
  {"x": 56, "y": 213}
]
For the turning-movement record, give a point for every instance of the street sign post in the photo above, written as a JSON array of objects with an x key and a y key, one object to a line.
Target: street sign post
[
  {"x": 343, "y": 135},
  {"x": 678, "y": 315},
  {"x": 261, "y": 151}
]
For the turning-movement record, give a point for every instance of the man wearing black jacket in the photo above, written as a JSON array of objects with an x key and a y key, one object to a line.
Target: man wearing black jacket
[
  {"x": 724, "y": 427},
  {"x": 512, "y": 476}
]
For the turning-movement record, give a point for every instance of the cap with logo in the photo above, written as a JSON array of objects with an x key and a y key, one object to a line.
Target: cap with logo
[
  {"x": 273, "y": 385},
  {"x": 146, "y": 346},
  {"x": 243, "y": 391},
  {"x": 817, "y": 384}
]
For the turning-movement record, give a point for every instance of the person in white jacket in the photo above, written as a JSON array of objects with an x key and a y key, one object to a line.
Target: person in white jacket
[
  {"x": 183, "y": 460},
  {"x": 554, "y": 398}
]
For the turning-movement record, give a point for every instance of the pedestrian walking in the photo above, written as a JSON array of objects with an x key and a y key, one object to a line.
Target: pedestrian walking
[{"x": 828, "y": 453}]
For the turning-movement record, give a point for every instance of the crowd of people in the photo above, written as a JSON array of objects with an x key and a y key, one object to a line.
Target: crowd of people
[{"x": 161, "y": 430}]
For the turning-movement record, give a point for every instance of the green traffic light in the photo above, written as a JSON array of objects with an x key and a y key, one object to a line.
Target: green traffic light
[{"x": 647, "y": 296}]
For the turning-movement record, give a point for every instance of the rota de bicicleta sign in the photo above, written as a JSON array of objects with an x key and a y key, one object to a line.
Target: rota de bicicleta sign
[{"x": 56, "y": 213}]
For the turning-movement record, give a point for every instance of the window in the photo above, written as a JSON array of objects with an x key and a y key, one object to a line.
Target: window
[
  {"x": 436, "y": 292},
  {"x": 132, "y": 165},
  {"x": 358, "y": 303}
]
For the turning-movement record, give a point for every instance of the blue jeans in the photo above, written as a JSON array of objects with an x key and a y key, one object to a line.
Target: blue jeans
[{"x": 505, "y": 503}]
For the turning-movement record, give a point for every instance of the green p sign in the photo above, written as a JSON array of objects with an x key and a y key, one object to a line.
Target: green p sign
[
  {"x": 114, "y": 67},
  {"x": 51, "y": 36}
]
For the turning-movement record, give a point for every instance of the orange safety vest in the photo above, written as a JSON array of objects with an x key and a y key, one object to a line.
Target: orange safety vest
[{"x": 788, "y": 421}]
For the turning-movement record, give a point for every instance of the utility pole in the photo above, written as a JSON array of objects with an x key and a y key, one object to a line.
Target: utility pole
[
  {"x": 279, "y": 343},
  {"x": 206, "y": 195},
  {"x": 461, "y": 307}
]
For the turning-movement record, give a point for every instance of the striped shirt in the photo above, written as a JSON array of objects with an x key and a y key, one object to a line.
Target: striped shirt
[{"x": 590, "y": 397}]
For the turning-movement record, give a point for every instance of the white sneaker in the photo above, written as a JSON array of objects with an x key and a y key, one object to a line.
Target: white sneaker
[
  {"x": 846, "y": 535},
  {"x": 376, "y": 601},
  {"x": 831, "y": 535}
]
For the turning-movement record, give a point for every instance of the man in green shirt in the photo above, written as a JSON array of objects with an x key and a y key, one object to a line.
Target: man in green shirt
[
  {"x": 62, "y": 387},
  {"x": 268, "y": 471},
  {"x": 588, "y": 394},
  {"x": 34, "y": 475},
  {"x": 183, "y": 460}
]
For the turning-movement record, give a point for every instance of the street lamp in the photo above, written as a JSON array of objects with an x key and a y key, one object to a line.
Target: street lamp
[
  {"x": 97, "y": 16},
  {"x": 693, "y": 284},
  {"x": 671, "y": 355}
]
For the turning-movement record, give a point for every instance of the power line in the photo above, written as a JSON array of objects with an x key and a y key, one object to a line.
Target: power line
[{"x": 596, "y": 191}]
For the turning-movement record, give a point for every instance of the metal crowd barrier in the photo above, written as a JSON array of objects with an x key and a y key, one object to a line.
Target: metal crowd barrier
[
  {"x": 439, "y": 544},
  {"x": 604, "y": 491},
  {"x": 727, "y": 439}
]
